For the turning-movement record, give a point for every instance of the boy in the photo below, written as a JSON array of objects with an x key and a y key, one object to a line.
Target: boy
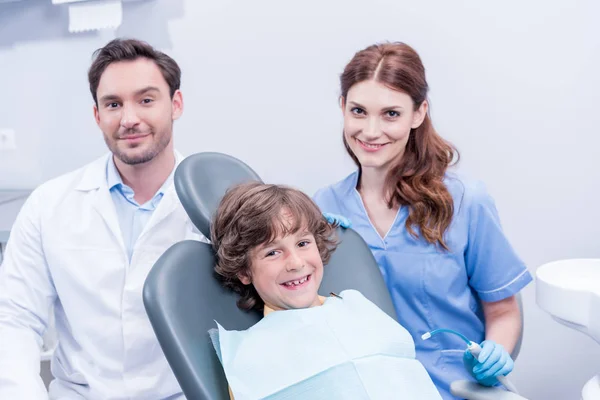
[{"x": 271, "y": 243}]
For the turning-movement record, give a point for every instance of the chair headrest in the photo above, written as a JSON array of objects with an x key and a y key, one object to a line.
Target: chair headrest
[{"x": 201, "y": 181}]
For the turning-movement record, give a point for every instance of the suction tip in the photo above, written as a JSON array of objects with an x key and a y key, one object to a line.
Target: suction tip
[{"x": 426, "y": 336}]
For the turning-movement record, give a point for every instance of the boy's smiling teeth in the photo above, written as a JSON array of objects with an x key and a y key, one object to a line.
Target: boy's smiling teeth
[{"x": 298, "y": 282}]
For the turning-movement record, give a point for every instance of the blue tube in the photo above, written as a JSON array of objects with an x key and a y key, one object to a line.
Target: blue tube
[{"x": 440, "y": 330}]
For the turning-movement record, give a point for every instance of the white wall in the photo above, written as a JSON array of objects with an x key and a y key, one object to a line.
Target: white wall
[{"x": 515, "y": 86}]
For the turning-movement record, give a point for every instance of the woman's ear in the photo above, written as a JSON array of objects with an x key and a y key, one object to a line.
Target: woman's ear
[{"x": 420, "y": 114}]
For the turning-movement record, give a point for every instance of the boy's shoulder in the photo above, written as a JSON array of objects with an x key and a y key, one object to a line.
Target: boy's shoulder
[
  {"x": 352, "y": 294},
  {"x": 358, "y": 302}
]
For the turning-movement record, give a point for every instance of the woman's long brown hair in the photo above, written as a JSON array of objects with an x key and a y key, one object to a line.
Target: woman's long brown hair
[{"x": 416, "y": 179}]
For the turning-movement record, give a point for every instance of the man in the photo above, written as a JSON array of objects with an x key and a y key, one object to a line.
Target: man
[{"x": 84, "y": 243}]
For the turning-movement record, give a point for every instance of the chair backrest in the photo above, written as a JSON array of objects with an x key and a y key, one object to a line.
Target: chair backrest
[
  {"x": 517, "y": 349},
  {"x": 183, "y": 299}
]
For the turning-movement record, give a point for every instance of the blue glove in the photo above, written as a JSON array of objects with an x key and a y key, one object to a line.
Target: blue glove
[
  {"x": 337, "y": 219},
  {"x": 491, "y": 362}
]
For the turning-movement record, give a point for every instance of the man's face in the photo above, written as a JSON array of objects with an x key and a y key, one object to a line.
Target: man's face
[{"x": 135, "y": 110}]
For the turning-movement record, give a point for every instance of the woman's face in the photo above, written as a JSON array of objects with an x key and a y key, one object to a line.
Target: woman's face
[{"x": 378, "y": 121}]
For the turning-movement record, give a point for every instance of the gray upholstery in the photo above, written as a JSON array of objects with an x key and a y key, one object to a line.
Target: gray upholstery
[
  {"x": 202, "y": 180},
  {"x": 517, "y": 349},
  {"x": 183, "y": 299}
]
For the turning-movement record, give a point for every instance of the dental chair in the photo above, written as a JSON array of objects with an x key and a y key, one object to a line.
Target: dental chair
[
  {"x": 569, "y": 290},
  {"x": 183, "y": 299}
]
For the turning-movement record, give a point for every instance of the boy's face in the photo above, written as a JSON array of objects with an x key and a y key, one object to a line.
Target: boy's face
[{"x": 287, "y": 272}]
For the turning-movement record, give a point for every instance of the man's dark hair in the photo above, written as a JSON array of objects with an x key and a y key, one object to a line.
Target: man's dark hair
[{"x": 130, "y": 50}]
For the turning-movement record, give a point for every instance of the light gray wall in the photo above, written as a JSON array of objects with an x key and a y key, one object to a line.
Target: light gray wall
[{"x": 515, "y": 86}]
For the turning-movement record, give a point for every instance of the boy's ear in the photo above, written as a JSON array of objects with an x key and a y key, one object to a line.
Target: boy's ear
[{"x": 244, "y": 278}]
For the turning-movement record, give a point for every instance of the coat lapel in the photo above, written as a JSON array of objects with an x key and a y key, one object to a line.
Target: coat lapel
[{"x": 94, "y": 183}]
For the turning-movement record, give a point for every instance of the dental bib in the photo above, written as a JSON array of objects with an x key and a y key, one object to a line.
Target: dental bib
[{"x": 345, "y": 349}]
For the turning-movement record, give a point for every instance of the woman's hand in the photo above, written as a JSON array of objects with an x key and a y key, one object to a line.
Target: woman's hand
[
  {"x": 493, "y": 361},
  {"x": 337, "y": 219}
]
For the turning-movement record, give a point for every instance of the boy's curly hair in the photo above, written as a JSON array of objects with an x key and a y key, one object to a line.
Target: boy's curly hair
[{"x": 250, "y": 215}]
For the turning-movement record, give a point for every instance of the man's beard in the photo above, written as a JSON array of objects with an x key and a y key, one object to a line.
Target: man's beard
[{"x": 135, "y": 159}]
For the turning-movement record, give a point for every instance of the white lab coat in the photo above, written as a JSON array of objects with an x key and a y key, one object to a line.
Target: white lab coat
[{"x": 66, "y": 249}]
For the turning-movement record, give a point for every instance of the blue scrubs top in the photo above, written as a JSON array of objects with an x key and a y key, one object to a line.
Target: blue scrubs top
[{"x": 432, "y": 288}]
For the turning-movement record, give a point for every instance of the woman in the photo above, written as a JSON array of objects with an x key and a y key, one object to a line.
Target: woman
[{"x": 437, "y": 238}]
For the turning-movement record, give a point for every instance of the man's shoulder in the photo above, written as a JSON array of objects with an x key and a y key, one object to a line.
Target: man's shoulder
[{"x": 60, "y": 186}]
